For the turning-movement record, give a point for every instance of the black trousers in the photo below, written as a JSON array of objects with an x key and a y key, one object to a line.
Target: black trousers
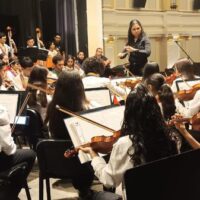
[{"x": 7, "y": 162}]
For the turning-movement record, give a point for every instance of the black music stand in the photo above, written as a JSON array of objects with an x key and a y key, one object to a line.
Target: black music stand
[
  {"x": 34, "y": 53},
  {"x": 173, "y": 178}
]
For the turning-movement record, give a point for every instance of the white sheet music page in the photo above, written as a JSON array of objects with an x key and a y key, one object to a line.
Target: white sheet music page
[
  {"x": 9, "y": 101},
  {"x": 81, "y": 131},
  {"x": 102, "y": 97}
]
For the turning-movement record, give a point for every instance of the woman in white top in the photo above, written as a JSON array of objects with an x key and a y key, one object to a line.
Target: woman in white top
[
  {"x": 10, "y": 155},
  {"x": 144, "y": 138}
]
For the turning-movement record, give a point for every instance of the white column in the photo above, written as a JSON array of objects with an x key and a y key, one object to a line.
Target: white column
[{"x": 94, "y": 25}]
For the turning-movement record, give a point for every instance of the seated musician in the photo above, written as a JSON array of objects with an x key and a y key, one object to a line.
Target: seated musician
[
  {"x": 30, "y": 42},
  {"x": 58, "y": 62},
  {"x": 2, "y": 75},
  {"x": 186, "y": 70},
  {"x": 80, "y": 57},
  {"x": 38, "y": 99},
  {"x": 20, "y": 81},
  {"x": 144, "y": 138},
  {"x": 189, "y": 79},
  {"x": 94, "y": 69},
  {"x": 11, "y": 156},
  {"x": 70, "y": 65},
  {"x": 69, "y": 93},
  {"x": 186, "y": 134},
  {"x": 157, "y": 86}
]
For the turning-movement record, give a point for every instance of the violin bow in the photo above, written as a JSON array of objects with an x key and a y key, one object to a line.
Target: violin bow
[
  {"x": 20, "y": 111},
  {"x": 66, "y": 111},
  {"x": 128, "y": 69},
  {"x": 38, "y": 88}
]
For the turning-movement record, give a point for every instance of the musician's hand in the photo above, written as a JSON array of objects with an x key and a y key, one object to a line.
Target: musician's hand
[{"x": 89, "y": 150}]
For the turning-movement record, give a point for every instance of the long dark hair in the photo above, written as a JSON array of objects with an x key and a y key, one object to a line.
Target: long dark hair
[
  {"x": 130, "y": 35},
  {"x": 150, "y": 69},
  {"x": 38, "y": 76},
  {"x": 165, "y": 94},
  {"x": 69, "y": 93},
  {"x": 144, "y": 123}
]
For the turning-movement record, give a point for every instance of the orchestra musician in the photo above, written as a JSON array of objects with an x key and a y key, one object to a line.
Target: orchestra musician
[
  {"x": 163, "y": 93},
  {"x": 138, "y": 47},
  {"x": 180, "y": 125},
  {"x": 69, "y": 93},
  {"x": 2, "y": 75},
  {"x": 20, "y": 81},
  {"x": 189, "y": 79},
  {"x": 11, "y": 156},
  {"x": 4, "y": 48},
  {"x": 59, "y": 44},
  {"x": 38, "y": 100},
  {"x": 58, "y": 62},
  {"x": 70, "y": 65},
  {"x": 144, "y": 138}
]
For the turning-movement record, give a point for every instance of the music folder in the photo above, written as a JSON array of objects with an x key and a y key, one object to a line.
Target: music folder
[{"x": 81, "y": 131}]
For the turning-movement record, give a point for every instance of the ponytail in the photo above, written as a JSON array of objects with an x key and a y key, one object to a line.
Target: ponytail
[{"x": 166, "y": 98}]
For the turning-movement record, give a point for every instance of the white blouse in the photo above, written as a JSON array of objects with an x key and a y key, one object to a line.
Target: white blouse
[{"x": 111, "y": 174}]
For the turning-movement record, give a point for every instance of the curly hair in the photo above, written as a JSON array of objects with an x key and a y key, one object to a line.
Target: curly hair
[{"x": 144, "y": 123}]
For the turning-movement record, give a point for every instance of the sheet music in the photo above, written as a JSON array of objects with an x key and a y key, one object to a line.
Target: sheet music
[
  {"x": 81, "y": 131},
  {"x": 10, "y": 101},
  {"x": 96, "y": 96}
]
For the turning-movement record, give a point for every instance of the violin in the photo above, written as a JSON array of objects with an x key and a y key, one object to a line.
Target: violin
[
  {"x": 194, "y": 121},
  {"x": 130, "y": 83},
  {"x": 101, "y": 144},
  {"x": 169, "y": 79},
  {"x": 186, "y": 95}
]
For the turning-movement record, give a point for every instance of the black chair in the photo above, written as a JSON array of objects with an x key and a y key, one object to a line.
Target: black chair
[
  {"x": 33, "y": 131},
  {"x": 173, "y": 178},
  {"x": 52, "y": 163},
  {"x": 8, "y": 181}
]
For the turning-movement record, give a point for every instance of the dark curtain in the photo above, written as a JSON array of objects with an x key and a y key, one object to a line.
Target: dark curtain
[
  {"x": 27, "y": 13},
  {"x": 82, "y": 26},
  {"x": 65, "y": 24}
]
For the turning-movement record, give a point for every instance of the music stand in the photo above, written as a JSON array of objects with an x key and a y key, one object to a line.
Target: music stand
[
  {"x": 12, "y": 100},
  {"x": 173, "y": 178},
  {"x": 34, "y": 53},
  {"x": 96, "y": 94}
]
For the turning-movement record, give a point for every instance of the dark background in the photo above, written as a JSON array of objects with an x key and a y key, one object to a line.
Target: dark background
[{"x": 51, "y": 16}]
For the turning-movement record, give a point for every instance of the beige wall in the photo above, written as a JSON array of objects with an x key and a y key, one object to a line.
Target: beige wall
[
  {"x": 94, "y": 25},
  {"x": 158, "y": 21}
]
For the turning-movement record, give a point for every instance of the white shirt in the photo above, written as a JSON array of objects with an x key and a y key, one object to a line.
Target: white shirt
[
  {"x": 6, "y": 49},
  {"x": 7, "y": 144},
  {"x": 192, "y": 108},
  {"x": 111, "y": 174}
]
